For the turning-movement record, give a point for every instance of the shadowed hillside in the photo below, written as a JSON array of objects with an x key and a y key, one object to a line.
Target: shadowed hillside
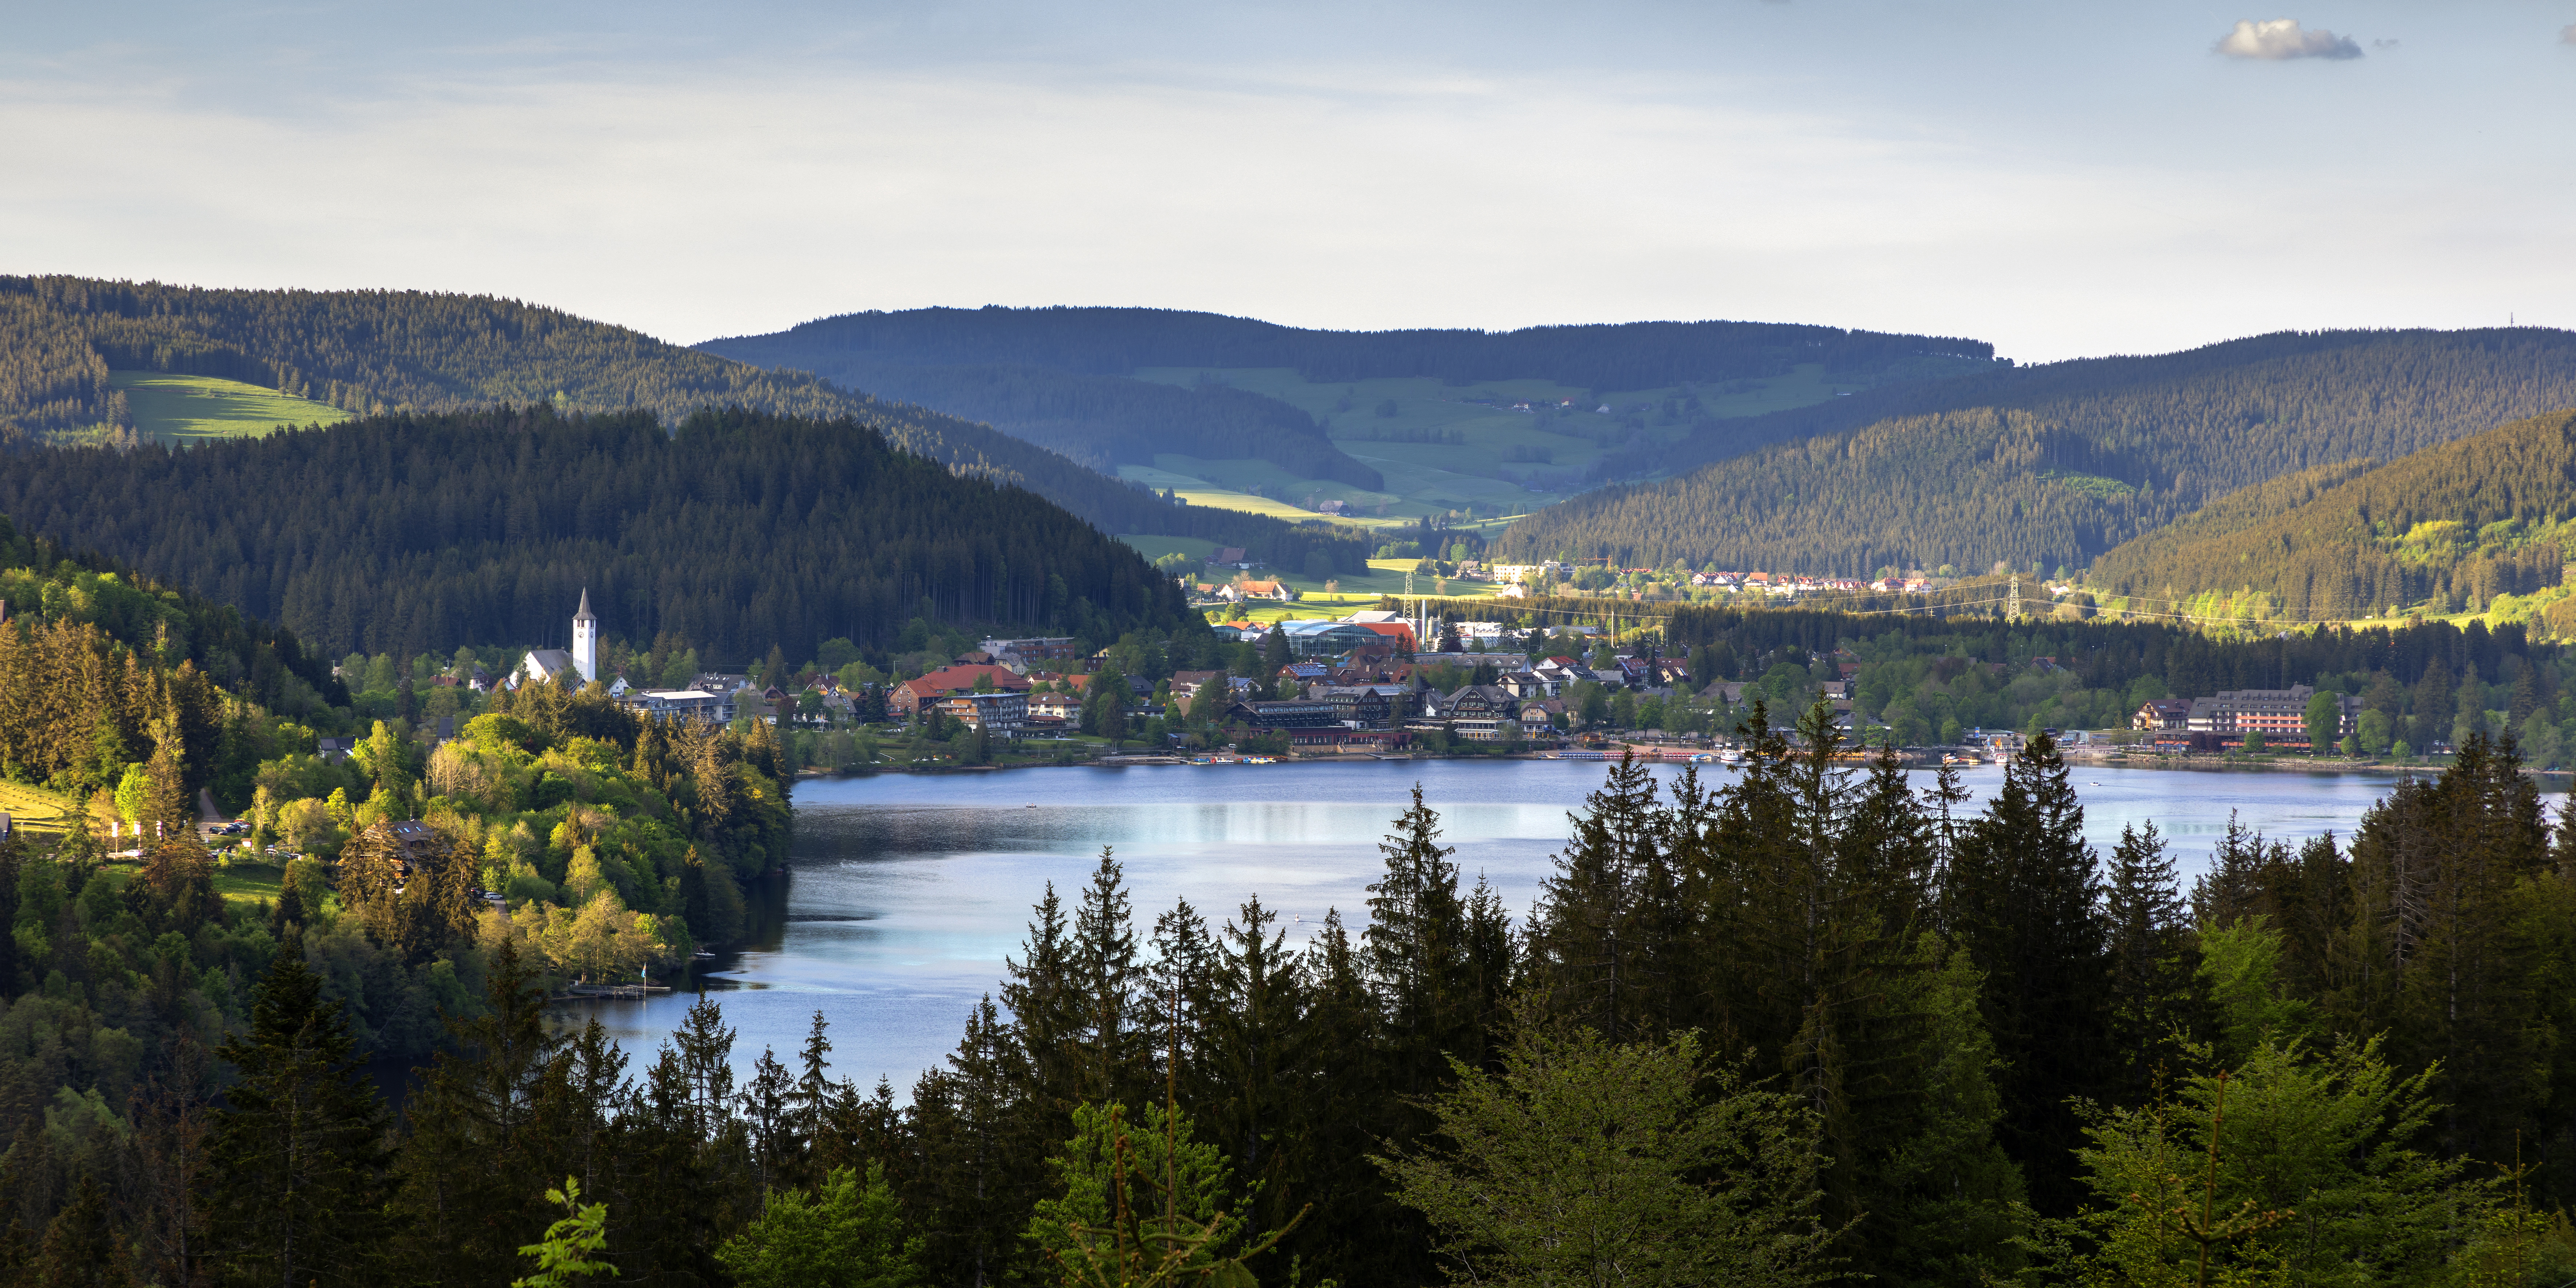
[{"x": 2053, "y": 465}]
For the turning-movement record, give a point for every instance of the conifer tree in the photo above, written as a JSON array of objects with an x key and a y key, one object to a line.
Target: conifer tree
[
  {"x": 297, "y": 1181},
  {"x": 1257, "y": 1056},
  {"x": 2154, "y": 962},
  {"x": 1602, "y": 946},
  {"x": 473, "y": 1175},
  {"x": 2446, "y": 878},
  {"x": 1416, "y": 945},
  {"x": 1046, "y": 1010},
  {"x": 978, "y": 1153},
  {"x": 1116, "y": 1032},
  {"x": 2023, "y": 899},
  {"x": 81, "y": 1248}
]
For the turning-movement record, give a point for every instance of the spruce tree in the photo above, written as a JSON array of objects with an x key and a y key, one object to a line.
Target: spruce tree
[
  {"x": 297, "y": 1179},
  {"x": 474, "y": 1173},
  {"x": 1416, "y": 946},
  {"x": 1257, "y": 1059},
  {"x": 1602, "y": 945},
  {"x": 2023, "y": 899},
  {"x": 2155, "y": 1002},
  {"x": 1046, "y": 1012},
  {"x": 1116, "y": 1032}
]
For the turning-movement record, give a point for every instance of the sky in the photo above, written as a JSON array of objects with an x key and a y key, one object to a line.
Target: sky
[{"x": 2061, "y": 178}]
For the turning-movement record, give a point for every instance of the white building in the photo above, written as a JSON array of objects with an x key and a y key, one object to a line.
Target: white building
[
  {"x": 542, "y": 665},
  {"x": 585, "y": 640}
]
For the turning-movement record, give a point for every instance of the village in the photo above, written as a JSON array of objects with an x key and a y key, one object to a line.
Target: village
[{"x": 1374, "y": 682}]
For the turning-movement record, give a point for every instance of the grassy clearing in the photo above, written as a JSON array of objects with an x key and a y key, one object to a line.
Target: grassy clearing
[
  {"x": 36, "y": 811},
  {"x": 1157, "y": 547},
  {"x": 181, "y": 409},
  {"x": 1199, "y": 491},
  {"x": 249, "y": 882}
]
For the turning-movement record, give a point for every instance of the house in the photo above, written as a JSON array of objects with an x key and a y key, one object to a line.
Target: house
[
  {"x": 1002, "y": 713},
  {"x": 1061, "y": 706},
  {"x": 721, "y": 683},
  {"x": 1051, "y": 648},
  {"x": 1229, "y": 557},
  {"x": 1356, "y": 706},
  {"x": 665, "y": 705},
  {"x": 1480, "y": 702},
  {"x": 909, "y": 696},
  {"x": 1304, "y": 673},
  {"x": 1241, "y": 591}
]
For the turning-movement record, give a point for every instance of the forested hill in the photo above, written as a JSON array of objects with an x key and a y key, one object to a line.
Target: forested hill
[
  {"x": 1112, "y": 341},
  {"x": 2053, "y": 465},
  {"x": 42, "y": 581},
  {"x": 1058, "y": 376},
  {"x": 419, "y": 532},
  {"x": 373, "y": 352},
  {"x": 2457, "y": 525}
]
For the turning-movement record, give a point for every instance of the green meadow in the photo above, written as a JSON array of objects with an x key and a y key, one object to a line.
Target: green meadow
[
  {"x": 1452, "y": 449},
  {"x": 179, "y": 409}
]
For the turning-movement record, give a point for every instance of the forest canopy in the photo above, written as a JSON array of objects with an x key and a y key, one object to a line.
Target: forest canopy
[
  {"x": 1109, "y": 341},
  {"x": 2049, "y": 466},
  {"x": 2460, "y": 524},
  {"x": 378, "y": 352},
  {"x": 419, "y": 532}
]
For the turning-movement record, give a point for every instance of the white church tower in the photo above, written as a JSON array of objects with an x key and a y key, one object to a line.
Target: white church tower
[{"x": 585, "y": 641}]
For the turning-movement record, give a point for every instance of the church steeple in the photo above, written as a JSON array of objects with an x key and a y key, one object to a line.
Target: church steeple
[{"x": 585, "y": 640}]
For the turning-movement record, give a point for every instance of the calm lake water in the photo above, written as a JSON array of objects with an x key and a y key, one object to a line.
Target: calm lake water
[{"x": 907, "y": 891}]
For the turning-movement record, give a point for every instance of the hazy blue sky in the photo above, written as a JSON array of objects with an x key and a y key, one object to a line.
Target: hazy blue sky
[{"x": 2062, "y": 178}]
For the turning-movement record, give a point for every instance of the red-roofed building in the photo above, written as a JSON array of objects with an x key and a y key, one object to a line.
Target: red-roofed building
[
  {"x": 909, "y": 695},
  {"x": 1400, "y": 632}
]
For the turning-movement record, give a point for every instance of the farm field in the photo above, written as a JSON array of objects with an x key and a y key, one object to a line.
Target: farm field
[
  {"x": 35, "y": 810},
  {"x": 180, "y": 409},
  {"x": 1443, "y": 446}
]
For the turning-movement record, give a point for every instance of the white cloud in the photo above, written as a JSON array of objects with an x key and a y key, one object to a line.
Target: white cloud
[{"x": 2280, "y": 38}]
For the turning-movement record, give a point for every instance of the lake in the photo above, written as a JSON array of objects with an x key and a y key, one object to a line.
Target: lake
[{"x": 907, "y": 891}]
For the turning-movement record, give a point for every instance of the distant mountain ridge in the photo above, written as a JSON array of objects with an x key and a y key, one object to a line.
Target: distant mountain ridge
[
  {"x": 1058, "y": 376},
  {"x": 1115, "y": 341},
  {"x": 2053, "y": 465}
]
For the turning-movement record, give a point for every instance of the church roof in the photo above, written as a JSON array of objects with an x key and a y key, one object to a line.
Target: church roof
[
  {"x": 546, "y": 663},
  {"x": 583, "y": 615}
]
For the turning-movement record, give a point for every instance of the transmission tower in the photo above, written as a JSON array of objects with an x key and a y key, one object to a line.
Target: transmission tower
[{"x": 2012, "y": 608}]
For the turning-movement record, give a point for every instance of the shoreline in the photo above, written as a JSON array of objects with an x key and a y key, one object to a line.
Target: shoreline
[{"x": 2191, "y": 764}]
